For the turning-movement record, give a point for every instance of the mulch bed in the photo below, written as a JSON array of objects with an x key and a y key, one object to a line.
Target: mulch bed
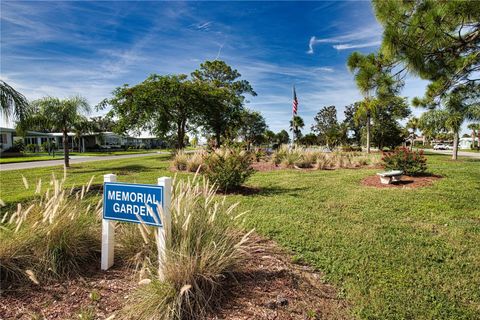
[
  {"x": 406, "y": 182},
  {"x": 272, "y": 287},
  {"x": 69, "y": 299},
  {"x": 269, "y": 287},
  {"x": 265, "y": 166}
]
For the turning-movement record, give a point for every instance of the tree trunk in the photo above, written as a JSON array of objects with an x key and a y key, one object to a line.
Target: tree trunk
[
  {"x": 65, "y": 149},
  {"x": 368, "y": 132},
  {"x": 455, "y": 146},
  {"x": 478, "y": 140},
  {"x": 473, "y": 139},
  {"x": 217, "y": 139}
]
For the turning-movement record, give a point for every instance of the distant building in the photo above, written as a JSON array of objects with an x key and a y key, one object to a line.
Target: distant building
[
  {"x": 465, "y": 143},
  {"x": 85, "y": 142},
  {"x": 6, "y": 138}
]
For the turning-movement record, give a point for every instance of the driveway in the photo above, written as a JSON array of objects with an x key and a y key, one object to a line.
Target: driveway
[
  {"x": 73, "y": 160},
  {"x": 475, "y": 155}
]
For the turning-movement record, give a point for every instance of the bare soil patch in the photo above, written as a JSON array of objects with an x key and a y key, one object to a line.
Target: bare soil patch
[
  {"x": 270, "y": 286},
  {"x": 406, "y": 182}
]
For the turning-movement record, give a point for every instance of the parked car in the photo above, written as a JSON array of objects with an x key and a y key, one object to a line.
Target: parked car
[
  {"x": 448, "y": 147},
  {"x": 440, "y": 146}
]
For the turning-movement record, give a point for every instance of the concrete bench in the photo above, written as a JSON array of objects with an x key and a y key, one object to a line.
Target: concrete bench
[{"x": 389, "y": 177}]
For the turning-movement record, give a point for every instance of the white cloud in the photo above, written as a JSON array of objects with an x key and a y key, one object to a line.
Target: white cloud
[
  {"x": 357, "y": 45},
  {"x": 365, "y": 37}
]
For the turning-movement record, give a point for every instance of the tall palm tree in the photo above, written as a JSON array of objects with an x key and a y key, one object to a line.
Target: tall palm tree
[
  {"x": 54, "y": 114},
  {"x": 296, "y": 126},
  {"x": 475, "y": 127},
  {"x": 373, "y": 79},
  {"x": 12, "y": 102},
  {"x": 413, "y": 124}
]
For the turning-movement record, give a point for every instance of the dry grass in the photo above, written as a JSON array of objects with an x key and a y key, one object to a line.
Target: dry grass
[
  {"x": 180, "y": 160},
  {"x": 50, "y": 238},
  {"x": 204, "y": 245},
  {"x": 304, "y": 158}
]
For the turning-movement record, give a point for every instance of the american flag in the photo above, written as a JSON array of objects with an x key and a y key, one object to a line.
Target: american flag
[{"x": 295, "y": 102}]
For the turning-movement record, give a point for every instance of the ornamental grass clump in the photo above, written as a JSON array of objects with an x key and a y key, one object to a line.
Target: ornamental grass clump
[
  {"x": 412, "y": 163},
  {"x": 306, "y": 159},
  {"x": 195, "y": 161},
  {"x": 180, "y": 160},
  {"x": 53, "y": 237},
  {"x": 228, "y": 168},
  {"x": 204, "y": 245}
]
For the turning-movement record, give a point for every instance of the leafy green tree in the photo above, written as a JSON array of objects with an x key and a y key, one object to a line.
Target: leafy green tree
[
  {"x": 329, "y": 131},
  {"x": 296, "y": 126},
  {"x": 352, "y": 125},
  {"x": 224, "y": 98},
  {"x": 459, "y": 106},
  {"x": 53, "y": 114},
  {"x": 436, "y": 40},
  {"x": 269, "y": 137},
  {"x": 373, "y": 77},
  {"x": 282, "y": 137},
  {"x": 13, "y": 103},
  {"x": 386, "y": 130},
  {"x": 310, "y": 139},
  {"x": 102, "y": 124},
  {"x": 252, "y": 127},
  {"x": 166, "y": 106}
]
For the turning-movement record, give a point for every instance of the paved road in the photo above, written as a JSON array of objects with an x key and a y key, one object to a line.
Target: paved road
[
  {"x": 73, "y": 160},
  {"x": 475, "y": 155}
]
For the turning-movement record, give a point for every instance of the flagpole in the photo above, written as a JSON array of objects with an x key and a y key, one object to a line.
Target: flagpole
[{"x": 293, "y": 115}]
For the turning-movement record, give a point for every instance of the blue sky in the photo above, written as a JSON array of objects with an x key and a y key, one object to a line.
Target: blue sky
[{"x": 90, "y": 48}]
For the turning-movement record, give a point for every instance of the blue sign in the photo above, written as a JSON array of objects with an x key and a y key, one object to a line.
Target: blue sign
[{"x": 128, "y": 202}]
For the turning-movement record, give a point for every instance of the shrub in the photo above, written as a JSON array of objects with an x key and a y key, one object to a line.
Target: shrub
[
  {"x": 259, "y": 154},
  {"x": 412, "y": 163},
  {"x": 30, "y": 148},
  {"x": 53, "y": 237},
  {"x": 195, "y": 161},
  {"x": 18, "y": 146},
  {"x": 279, "y": 154},
  {"x": 306, "y": 159},
  {"x": 204, "y": 246},
  {"x": 348, "y": 148},
  {"x": 180, "y": 160},
  {"x": 323, "y": 162},
  {"x": 228, "y": 168}
]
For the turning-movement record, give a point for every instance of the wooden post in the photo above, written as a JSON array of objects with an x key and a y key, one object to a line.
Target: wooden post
[
  {"x": 165, "y": 230},
  {"x": 108, "y": 234}
]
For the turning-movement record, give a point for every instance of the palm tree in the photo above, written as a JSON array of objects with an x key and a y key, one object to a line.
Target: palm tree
[
  {"x": 296, "y": 126},
  {"x": 12, "y": 102},
  {"x": 373, "y": 79},
  {"x": 475, "y": 127},
  {"x": 53, "y": 114},
  {"x": 458, "y": 107},
  {"x": 413, "y": 123}
]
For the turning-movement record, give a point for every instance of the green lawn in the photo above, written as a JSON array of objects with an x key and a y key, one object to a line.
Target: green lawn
[
  {"x": 393, "y": 253},
  {"x": 59, "y": 155}
]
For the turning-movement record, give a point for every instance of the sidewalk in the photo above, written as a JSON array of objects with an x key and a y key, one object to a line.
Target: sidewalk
[{"x": 73, "y": 160}]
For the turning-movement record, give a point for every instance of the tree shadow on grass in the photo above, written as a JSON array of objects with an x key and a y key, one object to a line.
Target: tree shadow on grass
[
  {"x": 120, "y": 170},
  {"x": 262, "y": 191}
]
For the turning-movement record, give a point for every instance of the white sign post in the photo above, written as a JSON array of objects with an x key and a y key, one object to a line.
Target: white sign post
[
  {"x": 108, "y": 233},
  {"x": 138, "y": 204}
]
